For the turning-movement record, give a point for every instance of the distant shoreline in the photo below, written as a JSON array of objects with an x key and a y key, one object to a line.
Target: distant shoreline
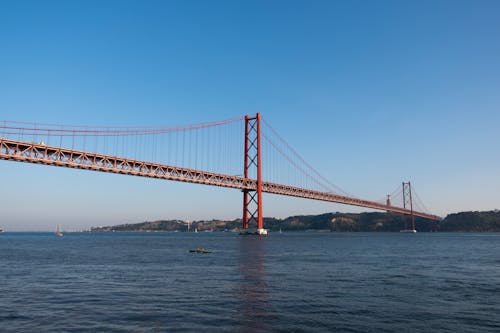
[
  {"x": 487, "y": 221},
  {"x": 469, "y": 222}
]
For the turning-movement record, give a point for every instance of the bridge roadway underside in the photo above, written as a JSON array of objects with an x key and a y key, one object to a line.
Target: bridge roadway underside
[{"x": 30, "y": 152}]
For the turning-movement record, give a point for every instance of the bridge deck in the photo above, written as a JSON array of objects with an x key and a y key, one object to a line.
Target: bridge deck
[{"x": 30, "y": 152}]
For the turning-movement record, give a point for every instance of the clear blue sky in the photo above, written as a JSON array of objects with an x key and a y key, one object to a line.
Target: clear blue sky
[{"x": 370, "y": 92}]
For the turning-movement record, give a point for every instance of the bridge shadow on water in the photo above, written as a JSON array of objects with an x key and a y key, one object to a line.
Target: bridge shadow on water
[{"x": 255, "y": 313}]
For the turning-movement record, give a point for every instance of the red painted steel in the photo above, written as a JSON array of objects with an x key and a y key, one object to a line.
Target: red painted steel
[
  {"x": 252, "y": 197},
  {"x": 50, "y": 155},
  {"x": 16, "y": 127},
  {"x": 245, "y": 174},
  {"x": 408, "y": 200},
  {"x": 404, "y": 205},
  {"x": 260, "y": 223},
  {"x": 37, "y": 153},
  {"x": 411, "y": 208},
  {"x": 331, "y": 197}
]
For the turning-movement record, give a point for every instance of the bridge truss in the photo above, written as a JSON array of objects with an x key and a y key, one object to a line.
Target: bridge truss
[{"x": 252, "y": 187}]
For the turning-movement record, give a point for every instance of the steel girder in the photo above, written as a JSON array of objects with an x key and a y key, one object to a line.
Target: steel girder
[{"x": 38, "y": 153}]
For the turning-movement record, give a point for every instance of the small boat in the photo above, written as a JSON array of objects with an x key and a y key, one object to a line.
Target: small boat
[
  {"x": 1, "y": 230},
  {"x": 409, "y": 231},
  {"x": 59, "y": 232},
  {"x": 200, "y": 250}
]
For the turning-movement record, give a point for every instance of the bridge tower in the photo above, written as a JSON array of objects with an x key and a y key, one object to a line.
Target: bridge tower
[
  {"x": 252, "y": 199},
  {"x": 408, "y": 203}
]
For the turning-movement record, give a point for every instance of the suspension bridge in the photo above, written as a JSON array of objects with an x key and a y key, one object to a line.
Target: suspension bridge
[{"x": 243, "y": 153}]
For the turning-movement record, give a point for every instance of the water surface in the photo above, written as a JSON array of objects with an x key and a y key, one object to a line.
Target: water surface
[{"x": 290, "y": 282}]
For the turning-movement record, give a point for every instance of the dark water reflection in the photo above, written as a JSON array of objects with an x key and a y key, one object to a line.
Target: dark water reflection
[{"x": 256, "y": 312}]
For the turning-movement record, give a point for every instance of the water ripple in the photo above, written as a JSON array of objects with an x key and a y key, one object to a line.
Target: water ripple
[{"x": 289, "y": 283}]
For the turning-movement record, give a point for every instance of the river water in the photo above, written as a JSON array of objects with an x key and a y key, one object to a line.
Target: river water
[{"x": 290, "y": 282}]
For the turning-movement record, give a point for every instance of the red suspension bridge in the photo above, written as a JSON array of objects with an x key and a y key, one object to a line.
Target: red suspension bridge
[{"x": 208, "y": 153}]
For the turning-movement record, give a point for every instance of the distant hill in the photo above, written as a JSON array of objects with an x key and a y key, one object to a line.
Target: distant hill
[
  {"x": 380, "y": 221},
  {"x": 488, "y": 221},
  {"x": 323, "y": 222}
]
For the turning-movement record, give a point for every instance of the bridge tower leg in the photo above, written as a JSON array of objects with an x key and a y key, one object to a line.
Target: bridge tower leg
[
  {"x": 408, "y": 203},
  {"x": 404, "y": 205},
  {"x": 411, "y": 208},
  {"x": 252, "y": 199}
]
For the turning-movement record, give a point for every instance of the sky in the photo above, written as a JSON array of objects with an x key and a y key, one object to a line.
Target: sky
[{"x": 371, "y": 93}]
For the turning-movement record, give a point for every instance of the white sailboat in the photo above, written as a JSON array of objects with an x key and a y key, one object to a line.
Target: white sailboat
[{"x": 59, "y": 232}]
